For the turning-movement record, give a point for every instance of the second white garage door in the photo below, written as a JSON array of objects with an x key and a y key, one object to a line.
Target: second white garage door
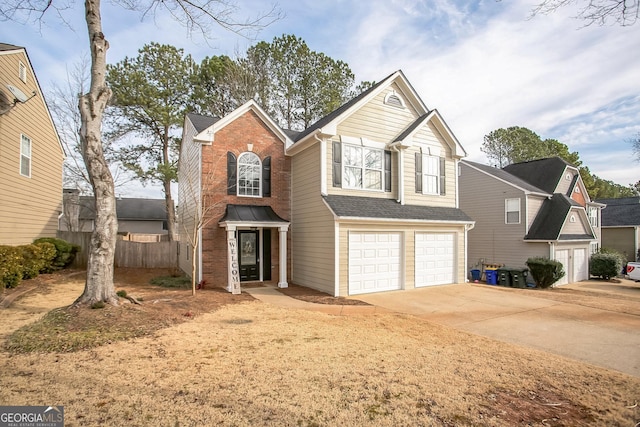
[
  {"x": 374, "y": 262},
  {"x": 435, "y": 259}
]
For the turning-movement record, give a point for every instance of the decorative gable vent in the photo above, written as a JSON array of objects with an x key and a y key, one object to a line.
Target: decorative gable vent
[{"x": 392, "y": 98}]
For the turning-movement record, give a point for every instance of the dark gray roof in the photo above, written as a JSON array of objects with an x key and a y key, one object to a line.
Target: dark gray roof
[
  {"x": 128, "y": 209},
  {"x": 551, "y": 217},
  {"x": 370, "y": 207},
  {"x": 7, "y": 46},
  {"x": 412, "y": 127},
  {"x": 201, "y": 122},
  {"x": 542, "y": 173},
  {"x": 336, "y": 113},
  {"x": 505, "y": 176},
  {"x": 621, "y": 212},
  {"x": 248, "y": 213}
]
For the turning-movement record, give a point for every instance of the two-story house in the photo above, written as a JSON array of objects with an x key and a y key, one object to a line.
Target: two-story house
[
  {"x": 31, "y": 154},
  {"x": 364, "y": 200},
  {"x": 538, "y": 208}
]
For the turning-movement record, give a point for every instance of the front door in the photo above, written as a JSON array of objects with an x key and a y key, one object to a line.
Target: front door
[{"x": 249, "y": 260}]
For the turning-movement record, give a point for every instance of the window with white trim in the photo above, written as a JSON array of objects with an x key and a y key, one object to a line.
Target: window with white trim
[
  {"x": 593, "y": 216},
  {"x": 430, "y": 174},
  {"x": 594, "y": 247},
  {"x": 25, "y": 156},
  {"x": 249, "y": 174},
  {"x": 363, "y": 167},
  {"x": 512, "y": 211}
]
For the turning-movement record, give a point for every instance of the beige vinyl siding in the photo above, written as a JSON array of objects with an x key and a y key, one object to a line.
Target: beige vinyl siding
[
  {"x": 378, "y": 121},
  {"x": 29, "y": 206},
  {"x": 491, "y": 240},
  {"x": 413, "y": 198},
  {"x": 312, "y": 225},
  {"x": 189, "y": 193},
  {"x": 564, "y": 183},
  {"x": 580, "y": 225},
  {"x": 534, "y": 203},
  {"x": 622, "y": 239},
  {"x": 408, "y": 232}
]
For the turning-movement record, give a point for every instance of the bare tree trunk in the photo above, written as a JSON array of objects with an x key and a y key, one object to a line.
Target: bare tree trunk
[
  {"x": 171, "y": 212},
  {"x": 99, "y": 285}
]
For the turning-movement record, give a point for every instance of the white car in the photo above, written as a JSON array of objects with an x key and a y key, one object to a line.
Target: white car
[{"x": 633, "y": 271}]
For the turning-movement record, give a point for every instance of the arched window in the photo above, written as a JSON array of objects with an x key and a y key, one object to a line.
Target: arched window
[{"x": 249, "y": 175}]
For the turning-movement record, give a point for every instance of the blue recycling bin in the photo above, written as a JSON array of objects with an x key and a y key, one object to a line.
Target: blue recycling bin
[
  {"x": 475, "y": 275},
  {"x": 492, "y": 277}
]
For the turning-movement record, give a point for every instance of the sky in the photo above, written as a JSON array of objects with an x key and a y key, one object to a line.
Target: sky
[{"x": 483, "y": 64}]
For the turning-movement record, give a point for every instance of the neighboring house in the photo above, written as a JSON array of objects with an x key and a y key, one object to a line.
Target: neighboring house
[
  {"x": 364, "y": 200},
  {"x": 31, "y": 155},
  {"x": 621, "y": 226},
  {"x": 531, "y": 209},
  {"x": 135, "y": 216}
]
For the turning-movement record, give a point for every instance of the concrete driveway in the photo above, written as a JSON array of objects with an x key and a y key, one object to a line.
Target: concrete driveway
[{"x": 602, "y": 336}]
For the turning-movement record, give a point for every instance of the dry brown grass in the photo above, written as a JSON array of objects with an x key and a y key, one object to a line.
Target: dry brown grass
[{"x": 252, "y": 364}]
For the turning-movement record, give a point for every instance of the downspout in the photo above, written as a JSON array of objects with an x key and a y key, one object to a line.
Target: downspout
[
  {"x": 323, "y": 164},
  {"x": 467, "y": 228},
  {"x": 397, "y": 148}
]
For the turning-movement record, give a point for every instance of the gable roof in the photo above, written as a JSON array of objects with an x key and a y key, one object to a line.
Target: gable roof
[
  {"x": 506, "y": 177},
  {"x": 530, "y": 172},
  {"x": 550, "y": 219},
  {"x": 621, "y": 212},
  {"x": 374, "y": 208},
  {"x": 6, "y": 47},
  {"x": 208, "y": 133},
  {"x": 319, "y": 124}
]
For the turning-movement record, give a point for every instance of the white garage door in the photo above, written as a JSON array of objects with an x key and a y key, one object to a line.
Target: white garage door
[
  {"x": 580, "y": 265},
  {"x": 435, "y": 259},
  {"x": 374, "y": 262},
  {"x": 563, "y": 257}
]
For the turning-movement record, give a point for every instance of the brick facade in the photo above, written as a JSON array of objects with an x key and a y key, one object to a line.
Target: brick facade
[{"x": 236, "y": 138}]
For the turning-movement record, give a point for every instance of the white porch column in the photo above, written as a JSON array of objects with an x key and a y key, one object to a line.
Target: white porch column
[
  {"x": 282, "y": 283},
  {"x": 233, "y": 273}
]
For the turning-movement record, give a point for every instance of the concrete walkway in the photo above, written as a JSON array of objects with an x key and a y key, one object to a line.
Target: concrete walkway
[{"x": 601, "y": 337}]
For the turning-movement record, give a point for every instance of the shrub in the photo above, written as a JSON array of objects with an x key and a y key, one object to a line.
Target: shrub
[
  {"x": 10, "y": 266},
  {"x": 65, "y": 253},
  {"x": 36, "y": 258},
  {"x": 605, "y": 265},
  {"x": 545, "y": 271}
]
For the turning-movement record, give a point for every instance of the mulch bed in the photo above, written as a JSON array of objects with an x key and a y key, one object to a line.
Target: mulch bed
[{"x": 317, "y": 297}]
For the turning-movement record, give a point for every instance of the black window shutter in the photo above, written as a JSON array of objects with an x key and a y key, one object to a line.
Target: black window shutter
[
  {"x": 266, "y": 177},
  {"x": 337, "y": 164},
  {"x": 442, "y": 177},
  {"x": 387, "y": 171},
  {"x": 418, "y": 172},
  {"x": 266, "y": 254},
  {"x": 232, "y": 171}
]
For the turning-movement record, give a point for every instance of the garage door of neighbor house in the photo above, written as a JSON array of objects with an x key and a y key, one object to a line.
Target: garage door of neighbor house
[
  {"x": 374, "y": 262},
  {"x": 563, "y": 257},
  {"x": 580, "y": 265},
  {"x": 435, "y": 259}
]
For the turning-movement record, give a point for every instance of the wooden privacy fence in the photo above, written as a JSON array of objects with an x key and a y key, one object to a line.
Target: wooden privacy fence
[{"x": 128, "y": 254}]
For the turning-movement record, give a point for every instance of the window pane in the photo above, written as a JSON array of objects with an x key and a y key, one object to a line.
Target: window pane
[
  {"x": 352, "y": 177},
  {"x": 25, "y": 166},
  {"x": 513, "y": 217},
  {"x": 373, "y": 159},
  {"x": 431, "y": 174},
  {"x": 352, "y": 156},
  {"x": 373, "y": 180}
]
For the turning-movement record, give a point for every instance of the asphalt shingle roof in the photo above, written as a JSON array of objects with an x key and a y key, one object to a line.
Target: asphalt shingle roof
[
  {"x": 505, "y": 176},
  {"x": 369, "y": 207},
  {"x": 621, "y": 212},
  {"x": 201, "y": 122},
  {"x": 248, "y": 213},
  {"x": 542, "y": 173},
  {"x": 128, "y": 209},
  {"x": 551, "y": 217}
]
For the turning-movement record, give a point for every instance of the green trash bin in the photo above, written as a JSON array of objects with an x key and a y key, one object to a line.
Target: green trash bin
[
  {"x": 518, "y": 277},
  {"x": 504, "y": 278}
]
